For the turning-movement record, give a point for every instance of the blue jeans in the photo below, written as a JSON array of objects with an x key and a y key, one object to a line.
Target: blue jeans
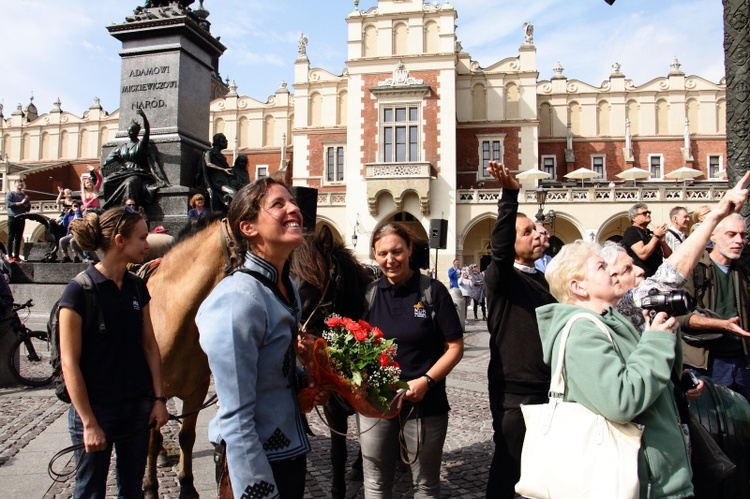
[
  {"x": 380, "y": 450},
  {"x": 732, "y": 373},
  {"x": 116, "y": 419}
]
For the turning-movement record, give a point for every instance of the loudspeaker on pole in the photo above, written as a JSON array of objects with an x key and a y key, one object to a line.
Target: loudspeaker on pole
[
  {"x": 438, "y": 233},
  {"x": 307, "y": 200}
]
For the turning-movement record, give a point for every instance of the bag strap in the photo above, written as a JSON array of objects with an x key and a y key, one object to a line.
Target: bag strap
[
  {"x": 557, "y": 383},
  {"x": 92, "y": 301}
]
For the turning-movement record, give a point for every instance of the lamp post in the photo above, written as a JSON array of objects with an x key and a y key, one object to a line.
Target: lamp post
[
  {"x": 541, "y": 199},
  {"x": 355, "y": 237}
]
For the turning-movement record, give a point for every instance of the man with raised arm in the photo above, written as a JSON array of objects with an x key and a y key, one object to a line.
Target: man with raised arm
[{"x": 517, "y": 373}]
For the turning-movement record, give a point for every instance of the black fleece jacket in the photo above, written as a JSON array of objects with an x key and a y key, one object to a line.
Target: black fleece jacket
[{"x": 516, "y": 364}]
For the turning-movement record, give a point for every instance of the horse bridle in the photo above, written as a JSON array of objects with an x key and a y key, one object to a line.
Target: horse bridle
[{"x": 228, "y": 247}]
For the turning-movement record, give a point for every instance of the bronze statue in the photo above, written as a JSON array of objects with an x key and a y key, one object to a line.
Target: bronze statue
[
  {"x": 130, "y": 171},
  {"x": 240, "y": 177},
  {"x": 165, "y": 3},
  {"x": 217, "y": 175}
]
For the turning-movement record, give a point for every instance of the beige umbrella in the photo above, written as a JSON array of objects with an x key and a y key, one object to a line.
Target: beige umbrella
[
  {"x": 721, "y": 173},
  {"x": 684, "y": 173},
  {"x": 533, "y": 174},
  {"x": 634, "y": 174},
  {"x": 582, "y": 174}
]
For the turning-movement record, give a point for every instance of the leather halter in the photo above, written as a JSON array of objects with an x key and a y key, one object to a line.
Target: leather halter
[{"x": 227, "y": 246}]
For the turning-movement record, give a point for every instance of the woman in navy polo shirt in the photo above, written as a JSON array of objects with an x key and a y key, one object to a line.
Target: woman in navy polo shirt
[
  {"x": 113, "y": 376},
  {"x": 428, "y": 349}
]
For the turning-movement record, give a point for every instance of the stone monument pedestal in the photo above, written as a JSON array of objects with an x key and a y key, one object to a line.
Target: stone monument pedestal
[{"x": 168, "y": 61}]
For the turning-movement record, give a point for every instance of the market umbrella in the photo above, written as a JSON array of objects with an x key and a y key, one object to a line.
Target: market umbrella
[
  {"x": 684, "y": 173},
  {"x": 634, "y": 174},
  {"x": 533, "y": 174},
  {"x": 721, "y": 173},
  {"x": 582, "y": 174}
]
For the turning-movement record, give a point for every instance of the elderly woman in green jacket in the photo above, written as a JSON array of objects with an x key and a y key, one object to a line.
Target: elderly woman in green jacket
[{"x": 628, "y": 380}]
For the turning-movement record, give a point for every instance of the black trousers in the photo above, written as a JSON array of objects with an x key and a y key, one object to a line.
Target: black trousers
[
  {"x": 509, "y": 431},
  {"x": 15, "y": 235}
]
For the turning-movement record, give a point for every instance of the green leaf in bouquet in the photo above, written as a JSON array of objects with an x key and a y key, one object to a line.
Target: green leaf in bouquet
[{"x": 357, "y": 378}]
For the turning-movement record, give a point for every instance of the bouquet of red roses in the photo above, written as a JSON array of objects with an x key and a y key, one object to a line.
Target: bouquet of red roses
[{"x": 354, "y": 360}]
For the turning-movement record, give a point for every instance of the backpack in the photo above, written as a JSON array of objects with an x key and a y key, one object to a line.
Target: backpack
[{"x": 424, "y": 292}]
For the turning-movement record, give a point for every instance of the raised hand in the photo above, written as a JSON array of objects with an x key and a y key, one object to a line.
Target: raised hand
[{"x": 502, "y": 175}]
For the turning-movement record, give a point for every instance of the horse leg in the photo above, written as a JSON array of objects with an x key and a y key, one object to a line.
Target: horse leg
[
  {"x": 337, "y": 416},
  {"x": 187, "y": 440},
  {"x": 150, "y": 481}
]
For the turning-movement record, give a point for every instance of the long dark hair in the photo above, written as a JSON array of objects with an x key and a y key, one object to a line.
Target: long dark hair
[{"x": 246, "y": 206}]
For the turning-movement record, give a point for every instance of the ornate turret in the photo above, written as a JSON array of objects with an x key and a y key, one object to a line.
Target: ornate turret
[{"x": 31, "y": 111}]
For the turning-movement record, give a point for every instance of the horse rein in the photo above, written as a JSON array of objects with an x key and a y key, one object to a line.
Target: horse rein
[{"x": 62, "y": 476}]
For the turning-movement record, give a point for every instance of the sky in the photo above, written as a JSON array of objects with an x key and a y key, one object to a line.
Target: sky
[{"x": 61, "y": 48}]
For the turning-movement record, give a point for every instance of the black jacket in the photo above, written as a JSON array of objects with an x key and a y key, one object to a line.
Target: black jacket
[{"x": 516, "y": 363}]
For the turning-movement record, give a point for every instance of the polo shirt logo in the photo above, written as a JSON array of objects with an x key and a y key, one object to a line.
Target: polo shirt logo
[
  {"x": 420, "y": 312},
  {"x": 136, "y": 305}
]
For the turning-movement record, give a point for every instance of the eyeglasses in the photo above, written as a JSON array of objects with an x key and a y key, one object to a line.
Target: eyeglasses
[
  {"x": 128, "y": 209},
  {"x": 132, "y": 205},
  {"x": 199, "y": 199},
  {"x": 543, "y": 232},
  {"x": 645, "y": 213}
]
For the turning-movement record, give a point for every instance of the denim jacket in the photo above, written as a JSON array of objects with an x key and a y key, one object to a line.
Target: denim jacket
[{"x": 247, "y": 333}]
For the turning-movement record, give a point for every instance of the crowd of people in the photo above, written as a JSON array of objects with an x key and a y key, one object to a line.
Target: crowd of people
[{"x": 249, "y": 331}]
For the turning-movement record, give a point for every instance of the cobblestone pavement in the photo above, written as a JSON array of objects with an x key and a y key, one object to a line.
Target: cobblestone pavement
[{"x": 24, "y": 414}]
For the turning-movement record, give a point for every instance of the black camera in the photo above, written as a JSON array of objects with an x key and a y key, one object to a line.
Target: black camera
[
  {"x": 672, "y": 302},
  {"x": 688, "y": 381}
]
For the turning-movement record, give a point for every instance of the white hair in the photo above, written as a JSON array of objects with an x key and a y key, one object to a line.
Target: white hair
[{"x": 610, "y": 251}]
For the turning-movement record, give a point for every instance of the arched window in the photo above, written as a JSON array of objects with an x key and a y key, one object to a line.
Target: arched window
[
  {"x": 721, "y": 117},
  {"x": 103, "y": 136},
  {"x": 370, "y": 41},
  {"x": 693, "y": 115},
  {"x": 662, "y": 117},
  {"x": 46, "y": 153},
  {"x": 431, "y": 37},
  {"x": 244, "y": 131},
  {"x": 269, "y": 131},
  {"x": 6, "y": 146},
  {"x": 512, "y": 98},
  {"x": 602, "y": 118},
  {"x": 631, "y": 113},
  {"x": 26, "y": 146},
  {"x": 65, "y": 144},
  {"x": 314, "y": 117},
  {"x": 83, "y": 145},
  {"x": 545, "y": 120},
  {"x": 341, "y": 108},
  {"x": 218, "y": 126},
  {"x": 479, "y": 102},
  {"x": 574, "y": 118},
  {"x": 400, "y": 39}
]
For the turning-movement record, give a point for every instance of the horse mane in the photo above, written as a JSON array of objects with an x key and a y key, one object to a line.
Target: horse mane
[
  {"x": 192, "y": 228},
  {"x": 314, "y": 259}
]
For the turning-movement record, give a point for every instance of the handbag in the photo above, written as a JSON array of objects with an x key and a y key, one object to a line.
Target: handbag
[{"x": 570, "y": 451}]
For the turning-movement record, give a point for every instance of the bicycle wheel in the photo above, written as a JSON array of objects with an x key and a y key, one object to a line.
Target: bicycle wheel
[{"x": 30, "y": 359}]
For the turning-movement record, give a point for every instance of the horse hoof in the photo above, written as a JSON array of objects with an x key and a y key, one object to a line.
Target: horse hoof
[
  {"x": 163, "y": 461},
  {"x": 188, "y": 493},
  {"x": 355, "y": 475}
]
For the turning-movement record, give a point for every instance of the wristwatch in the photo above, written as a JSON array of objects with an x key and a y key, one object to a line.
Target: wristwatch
[
  {"x": 161, "y": 399},
  {"x": 430, "y": 381}
]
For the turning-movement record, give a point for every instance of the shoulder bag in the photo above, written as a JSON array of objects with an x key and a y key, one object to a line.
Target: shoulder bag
[{"x": 572, "y": 452}]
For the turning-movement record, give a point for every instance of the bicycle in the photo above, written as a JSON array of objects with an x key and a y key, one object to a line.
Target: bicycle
[{"x": 29, "y": 358}]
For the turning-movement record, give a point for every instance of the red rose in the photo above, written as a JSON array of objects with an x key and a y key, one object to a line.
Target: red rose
[
  {"x": 359, "y": 334},
  {"x": 384, "y": 360},
  {"x": 334, "y": 321},
  {"x": 364, "y": 325}
]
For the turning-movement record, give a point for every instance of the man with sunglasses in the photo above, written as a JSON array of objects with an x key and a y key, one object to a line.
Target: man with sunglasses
[{"x": 647, "y": 248}]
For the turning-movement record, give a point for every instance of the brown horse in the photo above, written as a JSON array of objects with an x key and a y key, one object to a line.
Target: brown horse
[{"x": 179, "y": 284}]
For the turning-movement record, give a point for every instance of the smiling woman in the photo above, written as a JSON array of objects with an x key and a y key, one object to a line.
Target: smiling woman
[{"x": 247, "y": 326}]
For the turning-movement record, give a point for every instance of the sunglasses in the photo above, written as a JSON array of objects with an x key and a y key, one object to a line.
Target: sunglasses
[
  {"x": 128, "y": 209},
  {"x": 645, "y": 213}
]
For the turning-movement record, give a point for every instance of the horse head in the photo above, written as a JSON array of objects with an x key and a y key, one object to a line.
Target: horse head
[{"x": 329, "y": 279}]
